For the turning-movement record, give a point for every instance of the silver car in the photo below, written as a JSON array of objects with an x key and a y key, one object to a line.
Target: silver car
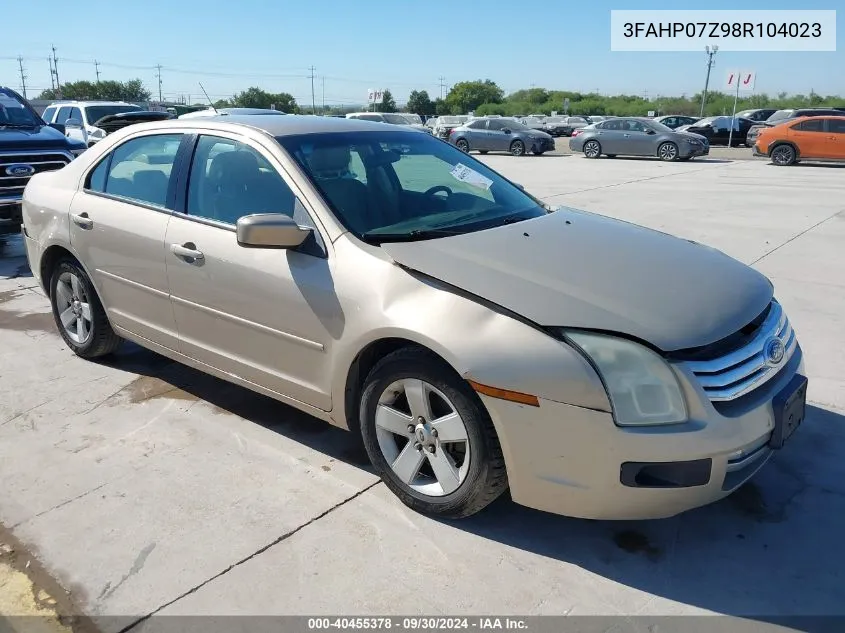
[
  {"x": 500, "y": 135},
  {"x": 387, "y": 283},
  {"x": 632, "y": 136}
]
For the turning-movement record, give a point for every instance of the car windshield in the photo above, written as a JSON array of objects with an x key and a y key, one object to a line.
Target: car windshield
[
  {"x": 401, "y": 186},
  {"x": 14, "y": 113},
  {"x": 514, "y": 125},
  {"x": 395, "y": 119},
  {"x": 780, "y": 115},
  {"x": 95, "y": 113}
]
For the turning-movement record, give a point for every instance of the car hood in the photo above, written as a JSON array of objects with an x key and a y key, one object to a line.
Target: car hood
[
  {"x": 577, "y": 269},
  {"x": 538, "y": 133},
  {"x": 36, "y": 138}
]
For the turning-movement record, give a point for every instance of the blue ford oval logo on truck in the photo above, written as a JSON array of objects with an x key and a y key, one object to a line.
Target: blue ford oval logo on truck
[{"x": 20, "y": 171}]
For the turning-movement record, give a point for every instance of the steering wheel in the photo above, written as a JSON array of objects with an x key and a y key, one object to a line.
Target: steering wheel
[{"x": 438, "y": 189}]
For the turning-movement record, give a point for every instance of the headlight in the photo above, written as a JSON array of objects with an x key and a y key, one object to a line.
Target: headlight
[
  {"x": 641, "y": 386},
  {"x": 693, "y": 141}
]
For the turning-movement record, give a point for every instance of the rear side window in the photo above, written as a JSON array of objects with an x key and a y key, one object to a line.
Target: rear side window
[
  {"x": 63, "y": 115},
  {"x": 836, "y": 126},
  {"x": 810, "y": 125},
  {"x": 75, "y": 113},
  {"x": 138, "y": 170},
  {"x": 49, "y": 113}
]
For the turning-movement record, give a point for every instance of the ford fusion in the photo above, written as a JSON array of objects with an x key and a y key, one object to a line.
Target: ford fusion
[{"x": 388, "y": 283}]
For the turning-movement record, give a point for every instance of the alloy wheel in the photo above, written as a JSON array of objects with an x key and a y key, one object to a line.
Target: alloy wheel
[
  {"x": 592, "y": 149},
  {"x": 783, "y": 155},
  {"x": 668, "y": 151},
  {"x": 422, "y": 437},
  {"x": 74, "y": 308}
]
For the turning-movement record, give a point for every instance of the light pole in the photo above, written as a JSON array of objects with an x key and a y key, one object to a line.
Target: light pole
[{"x": 710, "y": 53}]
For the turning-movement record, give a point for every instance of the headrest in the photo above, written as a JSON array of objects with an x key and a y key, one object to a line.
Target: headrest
[
  {"x": 234, "y": 165},
  {"x": 330, "y": 161}
]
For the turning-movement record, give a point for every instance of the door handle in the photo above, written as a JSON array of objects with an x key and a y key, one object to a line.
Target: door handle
[
  {"x": 626, "y": 135},
  {"x": 187, "y": 251},
  {"x": 82, "y": 220}
]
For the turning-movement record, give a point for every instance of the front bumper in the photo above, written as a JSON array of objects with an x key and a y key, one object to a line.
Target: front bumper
[
  {"x": 576, "y": 462},
  {"x": 756, "y": 151},
  {"x": 543, "y": 145},
  {"x": 695, "y": 150}
]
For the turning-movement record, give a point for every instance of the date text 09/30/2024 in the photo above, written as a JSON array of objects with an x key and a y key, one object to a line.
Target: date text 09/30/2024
[{"x": 417, "y": 623}]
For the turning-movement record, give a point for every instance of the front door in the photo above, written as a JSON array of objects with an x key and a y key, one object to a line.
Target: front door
[
  {"x": 836, "y": 138},
  {"x": 811, "y": 138},
  {"x": 637, "y": 140},
  {"x": 118, "y": 224},
  {"x": 264, "y": 315}
]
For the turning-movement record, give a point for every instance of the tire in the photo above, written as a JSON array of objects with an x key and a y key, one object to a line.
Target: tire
[
  {"x": 72, "y": 296},
  {"x": 783, "y": 155},
  {"x": 538, "y": 152},
  {"x": 482, "y": 151},
  {"x": 463, "y": 145},
  {"x": 469, "y": 487},
  {"x": 667, "y": 152},
  {"x": 611, "y": 155},
  {"x": 517, "y": 148},
  {"x": 685, "y": 158},
  {"x": 592, "y": 149}
]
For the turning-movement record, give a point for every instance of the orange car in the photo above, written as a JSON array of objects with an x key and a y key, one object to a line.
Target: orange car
[{"x": 810, "y": 138}]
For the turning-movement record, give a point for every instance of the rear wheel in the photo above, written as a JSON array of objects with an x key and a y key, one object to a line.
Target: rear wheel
[
  {"x": 429, "y": 436},
  {"x": 80, "y": 317},
  {"x": 668, "y": 151},
  {"x": 462, "y": 145},
  {"x": 592, "y": 149},
  {"x": 517, "y": 148},
  {"x": 783, "y": 155}
]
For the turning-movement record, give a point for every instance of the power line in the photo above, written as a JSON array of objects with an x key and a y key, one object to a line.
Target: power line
[{"x": 23, "y": 76}]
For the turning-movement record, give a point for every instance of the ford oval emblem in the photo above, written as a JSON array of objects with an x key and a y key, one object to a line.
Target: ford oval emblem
[
  {"x": 20, "y": 171},
  {"x": 774, "y": 351}
]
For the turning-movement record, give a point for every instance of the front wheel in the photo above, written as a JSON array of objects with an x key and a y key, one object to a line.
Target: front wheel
[
  {"x": 783, "y": 155},
  {"x": 80, "y": 317},
  {"x": 462, "y": 145},
  {"x": 592, "y": 149},
  {"x": 668, "y": 151},
  {"x": 429, "y": 437},
  {"x": 517, "y": 148}
]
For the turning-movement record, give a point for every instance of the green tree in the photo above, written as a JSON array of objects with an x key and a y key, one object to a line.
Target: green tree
[
  {"x": 108, "y": 90},
  {"x": 420, "y": 103},
  {"x": 257, "y": 98},
  {"x": 493, "y": 108},
  {"x": 466, "y": 96},
  {"x": 388, "y": 104},
  {"x": 441, "y": 108}
]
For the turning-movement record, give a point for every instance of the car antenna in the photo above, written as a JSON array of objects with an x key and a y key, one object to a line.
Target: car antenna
[{"x": 209, "y": 100}]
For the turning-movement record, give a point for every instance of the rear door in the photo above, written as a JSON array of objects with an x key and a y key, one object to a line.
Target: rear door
[
  {"x": 836, "y": 138},
  {"x": 636, "y": 139},
  {"x": 609, "y": 136},
  {"x": 476, "y": 134},
  {"x": 810, "y": 137},
  {"x": 118, "y": 224}
]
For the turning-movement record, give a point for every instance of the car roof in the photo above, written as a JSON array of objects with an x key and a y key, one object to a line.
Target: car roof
[
  {"x": 87, "y": 102},
  {"x": 280, "y": 125}
]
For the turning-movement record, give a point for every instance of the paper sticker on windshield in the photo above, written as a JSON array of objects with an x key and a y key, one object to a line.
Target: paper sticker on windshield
[{"x": 471, "y": 177}]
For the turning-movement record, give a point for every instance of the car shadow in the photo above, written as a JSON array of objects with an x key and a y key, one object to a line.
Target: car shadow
[
  {"x": 656, "y": 159},
  {"x": 13, "y": 264},
  {"x": 815, "y": 164}
]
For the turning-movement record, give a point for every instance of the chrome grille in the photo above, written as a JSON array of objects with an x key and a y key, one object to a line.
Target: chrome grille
[
  {"x": 13, "y": 186},
  {"x": 741, "y": 371}
]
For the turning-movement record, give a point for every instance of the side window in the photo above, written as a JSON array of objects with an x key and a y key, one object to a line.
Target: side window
[
  {"x": 63, "y": 115},
  {"x": 836, "y": 126},
  {"x": 810, "y": 125},
  {"x": 636, "y": 126},
  {"x": 75, "y": 113},
  {"x": 140, "y": 168},
  {"x": 97, "y": 178},
  {"x": 230, "y": 179},
  {"x": 495, "y": 125},
  {"x": 479, "y": 124},
  {"x": 612, "y": 125},
  {"x": 49, "y": 113}
]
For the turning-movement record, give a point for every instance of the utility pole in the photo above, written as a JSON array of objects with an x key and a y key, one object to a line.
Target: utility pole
[
  {"x": 52, "y": 79},
  {"x": 158, "y": 76},
  {"x": 711, "y": 51},
  {"x": 323, "y": 85},
  {"x": 97, "y": 69},
  {"x": 56, "y": 72},
  {"x": 313, "y": 99},
  {"x": 23, "y": 76},
  {"x": 442, "y": 81}
]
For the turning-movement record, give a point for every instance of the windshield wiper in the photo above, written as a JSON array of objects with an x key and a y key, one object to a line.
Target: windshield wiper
[{"x": 375, "y": 237}]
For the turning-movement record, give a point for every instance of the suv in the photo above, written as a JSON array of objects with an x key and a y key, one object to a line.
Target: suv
[
  {"x": 782, "y": 116},
  {"x": 28, "y": 146},
  {"x": 80, "y": 117},
  {"x": 760, "y": 114}
]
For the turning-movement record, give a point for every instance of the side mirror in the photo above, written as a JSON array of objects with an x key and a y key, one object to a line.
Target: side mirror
[
  {"x": 57, "y": 126},
  {"x": 506, "y": 131},
  {"x": 73, "y": 123},
  {"x": 270, "y": 230}
]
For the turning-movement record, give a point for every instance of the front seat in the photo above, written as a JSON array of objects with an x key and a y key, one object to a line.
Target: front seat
[
  {"x": 234, "y": 187},
  {"x": 348, "y": 196}
]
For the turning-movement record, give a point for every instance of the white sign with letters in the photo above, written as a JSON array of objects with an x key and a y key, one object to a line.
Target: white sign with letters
[
  {"x": 745, "y": 79},
  {"x": 375, "y": 96}
]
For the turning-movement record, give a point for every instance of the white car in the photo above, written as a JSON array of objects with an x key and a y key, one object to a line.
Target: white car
[
  {"x": 80, "y": 117},
  {"x": 198, "y": 114},
  {"x": 392, "y": 118}
]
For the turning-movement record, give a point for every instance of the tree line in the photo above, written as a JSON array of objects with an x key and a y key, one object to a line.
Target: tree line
[{"x": 482, "y": 96}]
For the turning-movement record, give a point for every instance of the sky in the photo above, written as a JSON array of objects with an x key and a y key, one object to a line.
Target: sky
[{"x": 231, "y": 45}]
